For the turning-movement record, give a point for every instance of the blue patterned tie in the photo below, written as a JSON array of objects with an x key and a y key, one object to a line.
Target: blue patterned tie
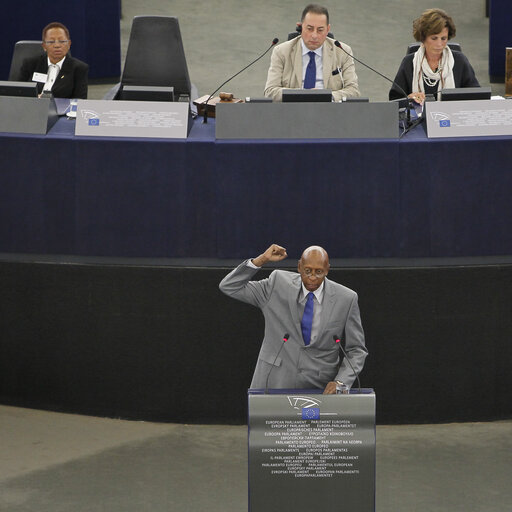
[
  {"x": 310, "y": 78},
  {"x": 307, "y": 318}
]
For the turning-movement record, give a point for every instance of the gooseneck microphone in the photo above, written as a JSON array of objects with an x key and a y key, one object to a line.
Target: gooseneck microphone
[
  {"x": 337, "y": 340},
  {"x": 205, "y": 115},
  {"x": 407, "y": 106},
  {"x": 285, "y": 339}
]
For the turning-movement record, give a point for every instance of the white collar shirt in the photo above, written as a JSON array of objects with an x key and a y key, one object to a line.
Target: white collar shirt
[{"x": 53, "y": 73}]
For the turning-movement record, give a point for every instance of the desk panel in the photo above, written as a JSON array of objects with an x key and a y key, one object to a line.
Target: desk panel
[{"x": 229, "y": 199}]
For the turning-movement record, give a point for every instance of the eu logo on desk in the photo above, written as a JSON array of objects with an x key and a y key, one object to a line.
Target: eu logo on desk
[
  {"x": 444, "y": 123},
  {"x": 94, "y": 122},
  {"x": 311, "y": 413}
]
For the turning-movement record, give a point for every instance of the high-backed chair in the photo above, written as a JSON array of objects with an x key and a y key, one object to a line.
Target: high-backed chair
[
  {"x": 413, "y": 47},
  {"x": 23, "y": 50},
  {"x": 155, "y": 57}
]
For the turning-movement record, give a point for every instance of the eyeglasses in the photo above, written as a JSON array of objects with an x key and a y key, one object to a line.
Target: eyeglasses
[
  {"x": 317, "y": 273},
  {"x": 52, "y": 43}
]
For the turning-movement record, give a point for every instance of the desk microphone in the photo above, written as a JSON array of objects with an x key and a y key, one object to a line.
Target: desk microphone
[
  {"x": 338, "y": 342},
  {"x": 285, "y": 339},
  {"x": 407, "y": 105},
  {"x": 205, "y": 115}
]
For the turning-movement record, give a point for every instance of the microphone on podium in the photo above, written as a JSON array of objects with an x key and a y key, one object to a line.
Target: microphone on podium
[
  {"x": 285, "y": 339},
  {"x": 205, "y": 115},
  {"x": 407, "y": 105},
  {"x": 337, "y": 340}
]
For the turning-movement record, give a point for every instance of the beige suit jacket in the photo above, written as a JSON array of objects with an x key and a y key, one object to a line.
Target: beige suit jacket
[{"x": 285, "y": 70}]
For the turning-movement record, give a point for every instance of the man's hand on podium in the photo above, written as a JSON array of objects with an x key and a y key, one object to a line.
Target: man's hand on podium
[{"x": 330, "y": 388}]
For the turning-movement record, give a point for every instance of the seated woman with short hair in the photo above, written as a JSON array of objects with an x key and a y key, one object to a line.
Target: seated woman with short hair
[
  {"x": 56, "y": 71},
  {"x": 434, "y": 66}
]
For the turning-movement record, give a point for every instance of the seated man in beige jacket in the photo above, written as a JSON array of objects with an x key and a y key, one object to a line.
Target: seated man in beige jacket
[{"x": 335, "y": 69}]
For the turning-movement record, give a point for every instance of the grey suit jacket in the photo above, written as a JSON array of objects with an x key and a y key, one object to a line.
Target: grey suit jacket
[
  {"x": 299, "y": 366},
  {"x": 286, "y": 70}
]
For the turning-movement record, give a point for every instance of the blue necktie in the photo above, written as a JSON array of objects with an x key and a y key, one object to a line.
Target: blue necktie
[
  {"x": 307, "y": 318},
  {"x": 310, "y": 78}
]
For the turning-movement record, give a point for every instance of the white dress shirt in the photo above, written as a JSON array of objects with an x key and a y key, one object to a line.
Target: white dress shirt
[{"x": 53, "y": 73}]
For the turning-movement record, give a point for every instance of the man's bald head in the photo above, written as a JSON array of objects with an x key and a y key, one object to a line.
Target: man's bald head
[
  {"x": 315, "y": 250},
  {"x": 313, "y": 267}
]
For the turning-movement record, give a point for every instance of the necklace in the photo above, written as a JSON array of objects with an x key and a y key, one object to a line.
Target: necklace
[{"x": 431, "y": 81}]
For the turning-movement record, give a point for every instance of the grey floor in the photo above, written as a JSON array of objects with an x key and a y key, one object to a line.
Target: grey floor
[{"x": 53, "y": 462}]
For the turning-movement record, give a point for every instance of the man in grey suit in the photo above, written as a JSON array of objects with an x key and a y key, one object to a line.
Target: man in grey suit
[
  {"x": 313, "y": 311},
  {"x": 332, "y": 67}
]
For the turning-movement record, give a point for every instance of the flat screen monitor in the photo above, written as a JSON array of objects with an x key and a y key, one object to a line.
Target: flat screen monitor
[
  {"x": 146, "y": 93},
  {"x": 466, "y": 93},
  {"x": 26, "y": 89},
  {"x": 156, "y": 57},
  {"x": 307, "y": 95}
]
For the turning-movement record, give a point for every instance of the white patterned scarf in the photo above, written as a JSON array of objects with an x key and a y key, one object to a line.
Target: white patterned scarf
[{"x": 421, "y": 70}]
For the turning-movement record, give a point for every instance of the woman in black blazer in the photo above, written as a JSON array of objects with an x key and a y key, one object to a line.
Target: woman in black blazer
[
  {"x": 56, "y": 71},
  {"x": 434, "y": 66}
]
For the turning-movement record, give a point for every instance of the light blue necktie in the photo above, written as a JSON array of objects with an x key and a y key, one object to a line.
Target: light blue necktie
[
  {"x": 310, "y": 78},
  {"x": 307, "y": 318}
]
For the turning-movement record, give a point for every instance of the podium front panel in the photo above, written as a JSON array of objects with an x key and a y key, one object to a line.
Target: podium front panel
[
  {"x": 309, "y": 451},
  {"x": 278, "y": 120}
]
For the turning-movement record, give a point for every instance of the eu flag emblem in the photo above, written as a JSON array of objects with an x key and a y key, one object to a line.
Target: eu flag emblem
[
  {"x": 444, "y": 123},
  {"x": 94, "y": 121},
  {"x": 311, "y": 413}
]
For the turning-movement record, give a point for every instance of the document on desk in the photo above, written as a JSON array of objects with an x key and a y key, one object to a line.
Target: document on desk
[{"x": 154, "y": 119}]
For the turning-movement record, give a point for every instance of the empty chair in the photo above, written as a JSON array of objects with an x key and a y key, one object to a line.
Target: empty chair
[{"x": 155, "y": 57}]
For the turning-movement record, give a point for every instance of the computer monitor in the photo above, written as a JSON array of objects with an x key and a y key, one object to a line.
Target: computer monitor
[
  {"x": 307, "y": 95},
  {"x": 466, "y": 93},
  {"x": 26, "y": 89},
  {"x": 146, "y": 93}
]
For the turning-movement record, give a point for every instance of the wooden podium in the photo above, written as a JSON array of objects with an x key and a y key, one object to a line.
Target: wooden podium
[{"x": 309, "y": 451}]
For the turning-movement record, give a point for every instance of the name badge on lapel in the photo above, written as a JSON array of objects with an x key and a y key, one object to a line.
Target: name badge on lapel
[{"x": 39, "y": 77}]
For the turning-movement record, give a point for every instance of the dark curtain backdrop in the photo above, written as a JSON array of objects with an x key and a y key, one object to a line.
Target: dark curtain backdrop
[{"x": 162, "y": 343}]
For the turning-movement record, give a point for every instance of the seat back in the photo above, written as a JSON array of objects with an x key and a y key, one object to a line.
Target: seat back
[
  {"x": 23, "y": 50},
  {"x": 413, "y": 47},
  {"x": 155, "y": 55}
]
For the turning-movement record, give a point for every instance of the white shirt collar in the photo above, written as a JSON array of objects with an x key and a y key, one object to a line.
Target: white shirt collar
[
  {"x": 59, "y": 64},
  {"x": 305, "y": 49},
  {"x": 319, "y": 292}
]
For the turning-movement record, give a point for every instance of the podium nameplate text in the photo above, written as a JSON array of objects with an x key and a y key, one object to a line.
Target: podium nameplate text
[
  {"x": 155, "y": 119},
  {"x": 469, "y": 118},
  {"x": 309, "y": 451}
]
